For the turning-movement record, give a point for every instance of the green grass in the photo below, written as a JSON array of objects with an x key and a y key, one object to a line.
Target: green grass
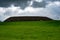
[{"x": 30, "y": 30}]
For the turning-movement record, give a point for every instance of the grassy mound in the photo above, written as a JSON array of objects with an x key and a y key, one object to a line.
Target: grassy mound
[{"x": 30, "y": 30}]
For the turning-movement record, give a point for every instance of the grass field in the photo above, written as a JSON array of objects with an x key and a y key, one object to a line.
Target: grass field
[{"x": 30, "y": 30}]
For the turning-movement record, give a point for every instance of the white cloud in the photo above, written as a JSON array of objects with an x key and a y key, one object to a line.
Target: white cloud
[
  {"x": 52, "y": 10},
  {"x": 38, "y": 0}
]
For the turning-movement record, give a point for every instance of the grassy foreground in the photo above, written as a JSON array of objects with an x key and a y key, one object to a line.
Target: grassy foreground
[{"x": 30, "y": 30}]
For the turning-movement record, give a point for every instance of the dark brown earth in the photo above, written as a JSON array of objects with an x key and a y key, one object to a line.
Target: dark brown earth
[{"x": 28, "y": 18}]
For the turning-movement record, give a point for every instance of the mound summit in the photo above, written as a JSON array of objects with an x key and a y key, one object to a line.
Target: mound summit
[{"x": 28, "y": 18}]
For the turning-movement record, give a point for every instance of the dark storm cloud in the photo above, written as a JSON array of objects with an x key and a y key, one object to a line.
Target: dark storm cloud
[
  {"x": 23, "y": 3},
  {"x": 42, "y": 4},
  {"x": 7, "y": 3},
  {"x": 39, "y": 4}
]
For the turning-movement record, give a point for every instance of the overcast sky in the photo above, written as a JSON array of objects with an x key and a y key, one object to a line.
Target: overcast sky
[{"x": 47, "y": 8}]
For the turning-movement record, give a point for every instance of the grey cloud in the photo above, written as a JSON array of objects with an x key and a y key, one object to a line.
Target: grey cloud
[
  {"x": 24, "y": 3},
  {"x": 7, "y": 3},
  {"x": 54, "y": 9},
  {"x": 39, "y": 4},
  {"x": 52, "y": 0}
]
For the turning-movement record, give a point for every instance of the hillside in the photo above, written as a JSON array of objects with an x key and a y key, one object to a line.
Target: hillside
[{"x": 30, "y": 30}]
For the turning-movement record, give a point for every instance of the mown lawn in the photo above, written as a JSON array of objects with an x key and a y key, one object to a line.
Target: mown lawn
[{"x": 30, "y": 30}]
